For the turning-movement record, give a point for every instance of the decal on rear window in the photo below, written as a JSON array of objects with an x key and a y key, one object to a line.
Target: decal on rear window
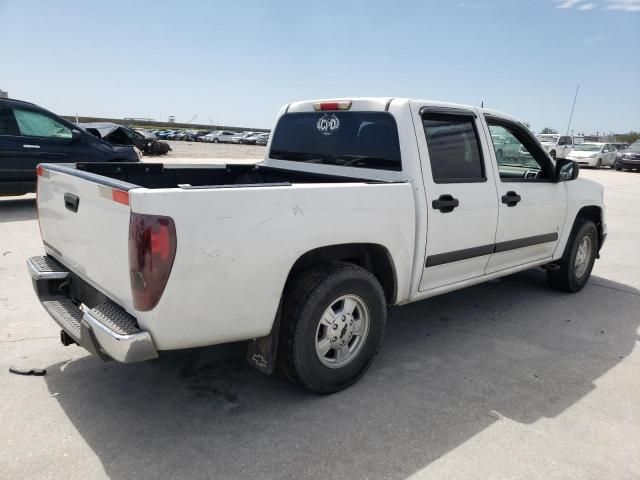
[{"x": 328, "y": 124}]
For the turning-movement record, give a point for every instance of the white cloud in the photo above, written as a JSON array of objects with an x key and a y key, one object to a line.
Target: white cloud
[
  {"x": 624, "y": 5},
  {"x": 566, "y": 3},
  {"x": 620, "y": 5}
]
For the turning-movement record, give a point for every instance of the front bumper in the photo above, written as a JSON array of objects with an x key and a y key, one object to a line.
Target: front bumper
[
  {"x": 86, "y": 316},
  {"x": 627, "y": 163},
  {"x": 584, "y": 161}
]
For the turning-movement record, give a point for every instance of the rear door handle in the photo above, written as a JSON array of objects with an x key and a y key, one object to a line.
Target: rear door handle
[
  {"x": 511, "y": 199},
  {"x": 71, "y": 202},
  {"x": 445, "y": 203},
  {"x": 30, "y": 146}
]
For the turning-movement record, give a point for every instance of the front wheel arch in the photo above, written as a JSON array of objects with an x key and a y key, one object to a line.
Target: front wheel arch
[{"x": 589, "y": 212}]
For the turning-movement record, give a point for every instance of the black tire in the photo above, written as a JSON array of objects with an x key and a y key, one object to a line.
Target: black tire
[
  {"x": 565, "y": 279},
  {"x": 617, "y": 167},
  {"x": 215, "y": 140},
  {"x": 599, "y": 164},
  {"x": 307, "y": 297}
]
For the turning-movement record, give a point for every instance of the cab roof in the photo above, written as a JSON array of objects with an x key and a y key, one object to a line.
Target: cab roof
[{"x": 381, "y": 104}]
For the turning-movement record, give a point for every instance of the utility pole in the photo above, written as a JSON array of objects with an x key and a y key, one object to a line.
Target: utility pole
[{"x": 572, "y": 107}]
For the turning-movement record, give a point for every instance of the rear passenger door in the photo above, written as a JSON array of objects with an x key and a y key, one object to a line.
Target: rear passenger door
[
  {"x": 532, "y": 205},
  {"x": 609, "y": 155},
  {"x": 462, "y": 204}
]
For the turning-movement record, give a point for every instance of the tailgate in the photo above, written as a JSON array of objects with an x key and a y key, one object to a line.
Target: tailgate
[{"x": 84, "y": 223}]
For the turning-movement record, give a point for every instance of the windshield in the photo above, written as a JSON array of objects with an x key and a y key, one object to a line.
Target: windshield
[
  {"x": 548, "y": 138},
  {"x": 587, "y": 147},
  {"x": 350, "y": 139},
  {"x": 634, "y": 147}
]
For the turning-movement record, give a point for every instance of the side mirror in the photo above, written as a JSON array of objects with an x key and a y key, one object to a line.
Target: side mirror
[
  {"x": 76, "y": 135},
  {"x": 566, "y": 170}
]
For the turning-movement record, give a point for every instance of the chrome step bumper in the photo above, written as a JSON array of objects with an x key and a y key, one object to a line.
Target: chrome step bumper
[{"x": 106, "y": 330}]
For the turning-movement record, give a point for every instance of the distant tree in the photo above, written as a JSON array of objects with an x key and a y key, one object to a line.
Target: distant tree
[
  {"x": 548, "y": 130},
  {"x": 628, "y": 137}
]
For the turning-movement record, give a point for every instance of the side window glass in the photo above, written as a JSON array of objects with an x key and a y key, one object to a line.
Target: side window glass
[
  {"x": 8, "y": 125},
  {"x": 35, "y": 124},
  {"x": 516, "y": 158},
  {"x": 454, "y": 150}
]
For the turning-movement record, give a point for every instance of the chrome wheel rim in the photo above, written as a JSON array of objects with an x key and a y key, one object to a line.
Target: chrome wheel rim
[
  {"x": 342, "y": 331},
  {"x": 583, "y": 256}
]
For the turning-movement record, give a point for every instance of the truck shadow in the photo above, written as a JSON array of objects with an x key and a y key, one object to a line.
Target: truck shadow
[
  {"x": 17, "y": 209},
  {"x": 449, "y": 368}
]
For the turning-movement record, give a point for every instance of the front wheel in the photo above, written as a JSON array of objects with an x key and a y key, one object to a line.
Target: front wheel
[
  {"x": 580, "y": 255},
  {"x": 599, "y": 163},
  {"x": 215, "y": 140},
  {"x": 333, "y": 322}
]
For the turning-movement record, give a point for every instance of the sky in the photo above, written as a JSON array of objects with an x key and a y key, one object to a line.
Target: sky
[{"x": 237, "y": 62}]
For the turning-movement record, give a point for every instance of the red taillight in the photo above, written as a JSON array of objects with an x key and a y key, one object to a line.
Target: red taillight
[
  {"x": 152, "y": 249},
  {"x": 39, "y": 170}
]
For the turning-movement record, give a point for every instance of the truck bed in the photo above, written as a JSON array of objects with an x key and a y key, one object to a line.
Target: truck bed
[
  {"x": 230, "y": 264},
  {"x": 159, "y": 175}
]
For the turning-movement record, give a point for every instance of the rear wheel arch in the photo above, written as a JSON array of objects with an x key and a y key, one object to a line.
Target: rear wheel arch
[{"x": 372, "y": 257}]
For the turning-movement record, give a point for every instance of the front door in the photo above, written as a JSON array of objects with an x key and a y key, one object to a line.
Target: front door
[
  {"x": 532, "y": 205},
  {"x": 462, "y": 203},
  {"x": 42, "y": 139}
]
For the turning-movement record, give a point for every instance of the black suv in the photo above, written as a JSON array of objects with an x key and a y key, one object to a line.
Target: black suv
[{"x": 30, "y": 135}]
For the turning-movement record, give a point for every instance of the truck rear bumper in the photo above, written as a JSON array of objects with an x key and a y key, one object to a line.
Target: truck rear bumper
[{"x": 95, "y": 323}]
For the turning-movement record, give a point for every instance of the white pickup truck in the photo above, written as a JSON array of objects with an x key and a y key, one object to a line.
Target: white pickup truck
[
  {"x": 558, "y": 146},
  {"x": 359, "y": 205}
]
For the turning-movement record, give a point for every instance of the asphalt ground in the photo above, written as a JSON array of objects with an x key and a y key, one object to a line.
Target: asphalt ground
[{"x": 505, "y": 380}]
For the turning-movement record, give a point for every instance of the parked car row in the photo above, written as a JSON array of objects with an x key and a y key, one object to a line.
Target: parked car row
[
  {"x": 216, "y": 136},
  {"x": 587, "y": 154}
]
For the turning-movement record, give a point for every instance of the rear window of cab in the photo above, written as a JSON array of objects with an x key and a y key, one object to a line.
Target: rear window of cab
[{"x": 348, "y": 139}]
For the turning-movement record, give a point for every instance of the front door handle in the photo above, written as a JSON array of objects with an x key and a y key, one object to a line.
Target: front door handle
[
  {"x": 71, "y": 202},
  {"x": 511, "y": 199},
  {"x": 445, "y": 203},
  {"x": 30, "y": 146}
]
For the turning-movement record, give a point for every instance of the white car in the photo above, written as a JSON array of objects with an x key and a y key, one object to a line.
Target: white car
[
  {"x": 558, "y": 146},
  {"x": 219, "y": 136},
  {"x": 240, "y": 137},
  {"x": 592, "y": 154},
  {"x": 359, "y": 205}
]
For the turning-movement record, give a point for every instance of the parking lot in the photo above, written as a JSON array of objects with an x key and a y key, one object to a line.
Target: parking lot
[
  {"x": 198, "y": 152},
  {"x": 507, "y": 379}
]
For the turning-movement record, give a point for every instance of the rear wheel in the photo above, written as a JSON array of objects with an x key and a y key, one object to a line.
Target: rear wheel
[
  {"x": 577, "y": 263},
  {"x": 333, "y": 322}
]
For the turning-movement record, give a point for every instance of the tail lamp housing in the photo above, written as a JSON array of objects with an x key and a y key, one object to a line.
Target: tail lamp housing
[{"x": 152, "y": 249}]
